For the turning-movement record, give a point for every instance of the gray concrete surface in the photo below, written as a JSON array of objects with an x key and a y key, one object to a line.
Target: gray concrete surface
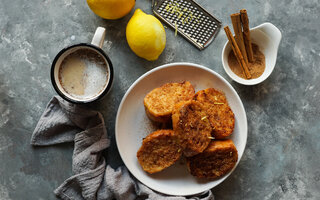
[{"x": 281, "y": 160}]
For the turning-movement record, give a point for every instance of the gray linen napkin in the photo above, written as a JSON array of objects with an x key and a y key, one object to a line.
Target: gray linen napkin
[{"x": 93, "y": 178}]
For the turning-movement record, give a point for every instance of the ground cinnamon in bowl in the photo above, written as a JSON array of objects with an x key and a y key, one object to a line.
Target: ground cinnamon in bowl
[{"x": 256, "y": 67}]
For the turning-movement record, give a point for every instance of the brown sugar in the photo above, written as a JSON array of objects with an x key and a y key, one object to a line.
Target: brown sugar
[{"x": 256, "y": 67}]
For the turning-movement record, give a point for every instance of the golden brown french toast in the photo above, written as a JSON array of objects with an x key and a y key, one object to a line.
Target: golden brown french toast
[
  {"x": 159, "y": 150},
  {"x": 159, "y": 102},
  {"x": 190, "y": 123},
  {"x": 220, "y": 114},
  {"x": 217, "y": 160}
]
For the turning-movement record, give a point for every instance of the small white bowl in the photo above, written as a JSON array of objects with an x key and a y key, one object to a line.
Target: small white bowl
[{"x": 267, "y": 36}]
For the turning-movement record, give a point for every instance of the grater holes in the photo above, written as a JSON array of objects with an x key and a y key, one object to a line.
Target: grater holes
[
  {"x": 184, "y": 27},
  {"x": 162, "y": 6},
  {"x": 198, "y": 27}
]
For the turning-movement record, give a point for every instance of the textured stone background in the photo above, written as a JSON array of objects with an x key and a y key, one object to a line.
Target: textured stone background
[{"x": 281, "y": 160}]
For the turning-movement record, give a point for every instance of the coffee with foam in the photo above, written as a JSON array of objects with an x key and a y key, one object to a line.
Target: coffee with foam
[{"x": 84, "y": 74}]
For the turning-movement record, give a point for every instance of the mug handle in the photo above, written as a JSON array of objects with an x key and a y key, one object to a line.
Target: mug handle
[{"x": 98, "y": 37}]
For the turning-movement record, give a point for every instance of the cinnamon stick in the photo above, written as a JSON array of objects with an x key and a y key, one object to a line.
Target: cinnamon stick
[
  {"x": 246, "y": 34},
  {"x": 237, "y": 52},
  {"x": 236, "y": 23}
]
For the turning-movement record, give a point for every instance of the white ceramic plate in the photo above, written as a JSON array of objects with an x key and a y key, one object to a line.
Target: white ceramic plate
[{"x": 132, "y": 125}]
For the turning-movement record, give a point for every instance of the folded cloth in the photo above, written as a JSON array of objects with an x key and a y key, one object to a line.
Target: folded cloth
[{"x": 93, "y": 178}]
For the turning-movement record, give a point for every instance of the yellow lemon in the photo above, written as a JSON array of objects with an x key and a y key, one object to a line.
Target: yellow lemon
[
  {"x": 146, "y": 35},
  {"x": 111, "y": 9}
]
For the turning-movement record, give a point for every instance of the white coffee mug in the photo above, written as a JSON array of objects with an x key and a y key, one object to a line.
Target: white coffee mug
[{"x": 83, "y": 50}]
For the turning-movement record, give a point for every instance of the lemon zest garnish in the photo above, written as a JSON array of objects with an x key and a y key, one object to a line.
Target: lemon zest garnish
[
  {"x": 212, "y": 138},
  {"x": 184, "y": 15},
  {"x": 203, "y": 118},
  {"x": 176, "y": 27},
  {"x": 168, "y": 7},
  {"x": 218, "y": 103}
]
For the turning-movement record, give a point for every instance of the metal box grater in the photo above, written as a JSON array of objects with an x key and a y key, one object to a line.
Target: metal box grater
[{"x": 189, "y": 19}]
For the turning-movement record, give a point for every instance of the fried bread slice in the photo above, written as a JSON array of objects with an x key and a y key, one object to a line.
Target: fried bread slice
[
  {"x": 190, "y": 123},
  {"x": 159, "y": 102},
  {"x": 217, "y": 160},
  {"x": 220, "y": 114},
  {"x": 159, "y": 150}
]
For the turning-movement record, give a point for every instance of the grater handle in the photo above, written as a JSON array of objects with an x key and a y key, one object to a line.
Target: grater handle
[{"x": 98, "y": 37}]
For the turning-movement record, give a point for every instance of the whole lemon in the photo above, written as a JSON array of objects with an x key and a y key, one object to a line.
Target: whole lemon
[
  {"x": 111, "y": 9},
  {"x": 146, "y": 35}
]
